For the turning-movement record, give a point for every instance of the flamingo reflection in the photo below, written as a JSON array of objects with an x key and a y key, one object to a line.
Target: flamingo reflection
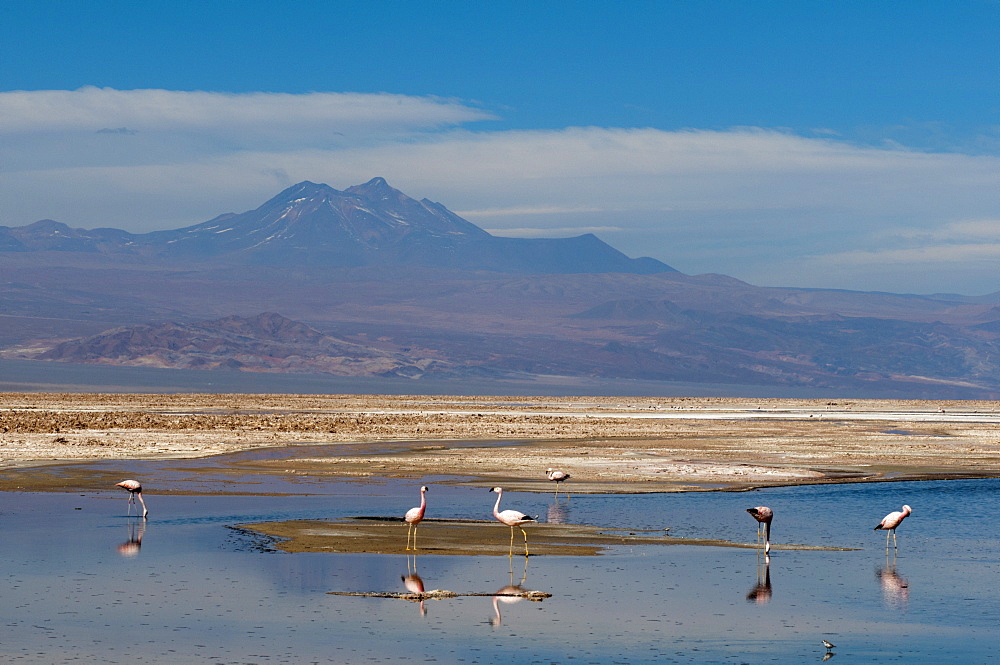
[
  {"x": 130, "y": 548},
  {"x": 895, "y": 588},
  {"x": 503, "y": 594},
  {"x": 413, "y": 582},
  {"x": 760, "y": 594},
  {"x": 557, "y": 513}
]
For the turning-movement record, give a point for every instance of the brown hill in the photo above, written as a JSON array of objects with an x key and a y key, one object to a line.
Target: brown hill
[{"x": 91, "y": 297}]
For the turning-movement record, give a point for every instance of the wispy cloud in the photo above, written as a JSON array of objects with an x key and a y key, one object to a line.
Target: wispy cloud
[
  {"x": 517, "y": 212},
  {"x": 250, "y": 117},
  {"x": 552, "y": 232},
  {"x": 915, "y": 256}
]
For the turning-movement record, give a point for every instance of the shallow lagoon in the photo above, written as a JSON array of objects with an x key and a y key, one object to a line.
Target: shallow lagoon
[{"x": 75, "y": 589}]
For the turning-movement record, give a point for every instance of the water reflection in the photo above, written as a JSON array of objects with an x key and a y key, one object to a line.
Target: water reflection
[
  {"x": 504, "y": 594},
  {"x": 136, "y": 529},
  {"x": 414, "y": 583},
  {"x": 558, "y": 513},
  {"x": 895, "y": 588},
  {"x": 760, "y": 594}
]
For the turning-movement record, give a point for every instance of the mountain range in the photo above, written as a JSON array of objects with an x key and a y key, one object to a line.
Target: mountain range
[
  {"x": 370, "y": 282},
  {"x": 316, "y": 225}
]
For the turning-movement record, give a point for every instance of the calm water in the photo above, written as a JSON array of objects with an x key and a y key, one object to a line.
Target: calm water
[{"x": 76, "y": 587}]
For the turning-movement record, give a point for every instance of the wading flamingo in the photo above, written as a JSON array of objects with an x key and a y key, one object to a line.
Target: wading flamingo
[
  {"x": 134, "y": 490},
  {"x": 414, "y": 516},
  {"x": 890, "y": 522},
  {"x": 511, "y": 518},
  {"x": 763, "y": 515},
  {"x": 556, "y": 477}
]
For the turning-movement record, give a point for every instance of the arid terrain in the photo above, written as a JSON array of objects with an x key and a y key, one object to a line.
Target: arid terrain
[{"x": 606, "y": 444}]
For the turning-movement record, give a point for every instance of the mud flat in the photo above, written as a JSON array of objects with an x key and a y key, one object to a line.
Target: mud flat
[
  {"x": 469, "y": 537},
  {"x": 607, "y": 444}
]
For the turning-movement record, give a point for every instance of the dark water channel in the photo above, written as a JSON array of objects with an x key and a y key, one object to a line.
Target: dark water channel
[{"x": 77, "y": 587}]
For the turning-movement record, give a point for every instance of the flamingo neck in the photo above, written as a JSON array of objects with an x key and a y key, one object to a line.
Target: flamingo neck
[{"x": 496, "y": 507}]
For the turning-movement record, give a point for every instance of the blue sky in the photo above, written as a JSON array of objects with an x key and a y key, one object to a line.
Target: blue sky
[{"x": 828, "y": 144}]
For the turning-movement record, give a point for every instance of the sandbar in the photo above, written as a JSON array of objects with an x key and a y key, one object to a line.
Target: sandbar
[{"x": 607, "y": 444}]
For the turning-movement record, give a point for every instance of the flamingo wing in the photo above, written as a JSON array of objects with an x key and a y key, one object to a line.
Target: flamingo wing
[{"x": 513, "y": 517}]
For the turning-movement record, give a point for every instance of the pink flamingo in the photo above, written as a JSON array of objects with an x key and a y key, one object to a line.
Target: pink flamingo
[
  {"x": 134, "y": 490},
  {"x": 890, "y": 522},
  {"x": 763, "y": 515},
  {"x": 557, "y": 477},
  {"x": 414, "y": 516},
  {"x": 511, "y": 518}
]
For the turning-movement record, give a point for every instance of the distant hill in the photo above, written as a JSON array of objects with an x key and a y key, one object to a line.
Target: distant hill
[
  {"x": 316, "y": 225},
  {"x": 267, "y": 342},
  {"x": 371, "y": 283}
]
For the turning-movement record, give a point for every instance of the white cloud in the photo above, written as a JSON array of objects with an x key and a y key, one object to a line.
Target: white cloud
[
  {"x": 553, "y": 232},
  {"x": 248, "y": 118},
  {"x": 763, "y": 205},
  {"x": 515, "y": 212},
  {"x": 917, "y": 256}
]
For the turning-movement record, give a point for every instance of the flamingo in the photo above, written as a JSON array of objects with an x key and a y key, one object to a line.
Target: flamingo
[
  {"x": 763, "y": 515},
  {"x": 134, "y": 490},
  {"x": 511, "y": 518},
  {"x": 414, "y": 516},
  {"x": 890, "y": 522},
  {"x": 557, "y": 477}
]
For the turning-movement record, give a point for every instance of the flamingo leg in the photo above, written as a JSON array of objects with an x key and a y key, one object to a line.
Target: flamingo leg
[
  {"x": 415, "y": 537},
  {"x": 409, "y": 530},
  {"x": 511, "y": 542},
  {"x": 525, "y": 540},
  {"x": 143, "y": 502}
]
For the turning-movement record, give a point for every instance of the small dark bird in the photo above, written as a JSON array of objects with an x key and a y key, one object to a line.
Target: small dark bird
[{"x": 828, "y": 645}]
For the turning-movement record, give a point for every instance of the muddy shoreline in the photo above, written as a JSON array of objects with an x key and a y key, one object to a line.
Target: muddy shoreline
[{"x": 607, "y": 444}]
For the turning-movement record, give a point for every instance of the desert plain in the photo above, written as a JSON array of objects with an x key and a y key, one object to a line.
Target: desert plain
[{"x": 607, "y": 444}]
